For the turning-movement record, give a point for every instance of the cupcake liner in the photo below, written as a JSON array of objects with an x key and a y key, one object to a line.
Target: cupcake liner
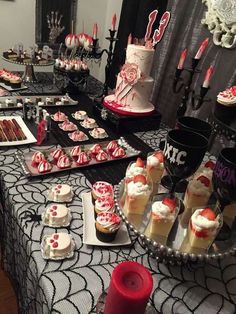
[{"x": 106, "y": 237}]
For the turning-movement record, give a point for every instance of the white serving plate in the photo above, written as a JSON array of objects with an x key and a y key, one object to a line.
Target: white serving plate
[
  {"x": 57, "y": 258},
  {"x": 89, "y": 232},
  {"x": 29, "y": 136}
]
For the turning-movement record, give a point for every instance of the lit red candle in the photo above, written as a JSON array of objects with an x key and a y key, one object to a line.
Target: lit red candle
[
  {"x": 95, "y": 30},
  {"x": 201, "y": 49},
  {"x": 113, "y": 23},
  {"x": 129, "y": 290},
  {"x": 182, "y": 59},
  {"x": 209, "y": 72}
]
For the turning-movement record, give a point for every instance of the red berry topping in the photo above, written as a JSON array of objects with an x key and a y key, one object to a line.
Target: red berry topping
[
  {"x": 140, "y": 178},
  {"x": 204, "y": 180},
  {"x": 55, "y": 245},
  {"x": 210, "y": 164},
  {"x": 208, "y": 213},
  {"x": 169, "y": 202},
  {"x": 56, "y": 236},
  {"x": 159, "y": 155},
  {"x": 139, "y": 163},
  {"x": 198, "y": 234}
]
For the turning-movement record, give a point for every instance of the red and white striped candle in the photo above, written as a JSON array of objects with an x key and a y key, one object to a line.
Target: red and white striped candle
[
  {"x": 183, "y": 56},
  {"x": 209, "y": 72},
  {"x": 201, "y": 49},
  {"x": 95, "y": 30}
]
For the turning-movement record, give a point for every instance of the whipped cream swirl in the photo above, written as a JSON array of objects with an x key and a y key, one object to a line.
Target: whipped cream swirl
[{"x": 109, "y": 221}]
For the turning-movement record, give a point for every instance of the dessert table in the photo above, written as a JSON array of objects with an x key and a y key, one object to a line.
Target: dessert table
[{"x": 74, "y": 285}]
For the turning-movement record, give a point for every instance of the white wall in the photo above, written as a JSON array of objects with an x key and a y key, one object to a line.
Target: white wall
[{"x": 17, "y": 24}]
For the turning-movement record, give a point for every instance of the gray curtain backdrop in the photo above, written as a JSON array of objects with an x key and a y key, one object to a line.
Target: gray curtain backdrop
[{"x": 186, "y": 31}]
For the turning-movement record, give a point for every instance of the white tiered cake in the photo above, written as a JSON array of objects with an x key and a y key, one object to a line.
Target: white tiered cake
[{"x": 134, "y": 84}]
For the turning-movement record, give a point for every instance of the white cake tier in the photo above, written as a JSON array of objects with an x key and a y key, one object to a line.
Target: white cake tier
[
  {"x": 135, "y": 97},
  {"x": 141, "y": 56}
]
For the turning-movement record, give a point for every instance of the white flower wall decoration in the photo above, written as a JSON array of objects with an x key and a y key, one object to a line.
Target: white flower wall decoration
[{"x": 221, "y": 21}]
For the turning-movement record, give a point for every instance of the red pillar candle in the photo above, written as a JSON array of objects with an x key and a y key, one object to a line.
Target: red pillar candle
[
  {"x": 129, "y": 290},
  {"x": 201, "y": 49}
]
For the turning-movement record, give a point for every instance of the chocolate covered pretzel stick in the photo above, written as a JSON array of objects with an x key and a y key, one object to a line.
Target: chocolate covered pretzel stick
[
  {"x": 15, "y": 129},
  {"x": 19, "y": 129},
  {"x": 10, "y": 125},
  {"x": 8, "y": 131},
  {"x": 5, "y": 131}
]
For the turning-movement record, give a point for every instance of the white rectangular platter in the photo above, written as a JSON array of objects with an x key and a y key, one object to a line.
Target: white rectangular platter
[
  {"x": 29, "y": 136},
  {"x": 89, "y": 232}
]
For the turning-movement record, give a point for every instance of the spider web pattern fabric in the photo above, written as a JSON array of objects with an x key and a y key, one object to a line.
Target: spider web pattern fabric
[{"x": 74, "y": 286}]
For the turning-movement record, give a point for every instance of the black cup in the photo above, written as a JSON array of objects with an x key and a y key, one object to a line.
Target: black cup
[
  {"x": 194, "y": 125},
  {"x": 224, "y": 177}
]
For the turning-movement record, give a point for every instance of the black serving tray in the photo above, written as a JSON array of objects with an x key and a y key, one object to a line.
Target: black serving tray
[{"x": 126, "y": 124}]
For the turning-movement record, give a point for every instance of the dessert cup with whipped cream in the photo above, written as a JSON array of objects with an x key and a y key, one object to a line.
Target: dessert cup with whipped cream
[
  {"x": 155, "y": 168},
  {"x": 137, "y": 196},
  {"x": 204, "y": 225},
  {"x": 134, "y": 168},
  {"x": 163, "y": 214},
  {"x": 197, "y": 194}
]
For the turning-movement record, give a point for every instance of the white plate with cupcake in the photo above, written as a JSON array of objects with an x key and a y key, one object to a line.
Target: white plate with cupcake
[{"x": 107, "y": 229}]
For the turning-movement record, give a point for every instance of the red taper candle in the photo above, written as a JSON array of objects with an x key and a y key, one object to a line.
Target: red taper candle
[
  {"x": 95, "y": 30},
  {"x": 182, "y": 59},
  {"x": 113, "y": 23},
  {"x": 208, "y": 76},
  {"x": 201, "y": 49},
  {"x": 129, "y": 290}
]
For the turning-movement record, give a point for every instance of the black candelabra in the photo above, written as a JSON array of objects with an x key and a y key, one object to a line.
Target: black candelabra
[
  {"x": 97, "y": 54},
  {"x": 189, "y": 96}
]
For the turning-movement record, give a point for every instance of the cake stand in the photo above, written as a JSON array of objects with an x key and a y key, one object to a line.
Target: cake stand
[
  {"x": 29, "y": 75},
  {"x": 70, "y": 81},
  {"x": 171, "y": 252}
]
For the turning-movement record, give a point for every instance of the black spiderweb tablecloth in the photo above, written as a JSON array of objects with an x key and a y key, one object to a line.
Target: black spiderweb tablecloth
[{"x": 74, "y": 286}]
